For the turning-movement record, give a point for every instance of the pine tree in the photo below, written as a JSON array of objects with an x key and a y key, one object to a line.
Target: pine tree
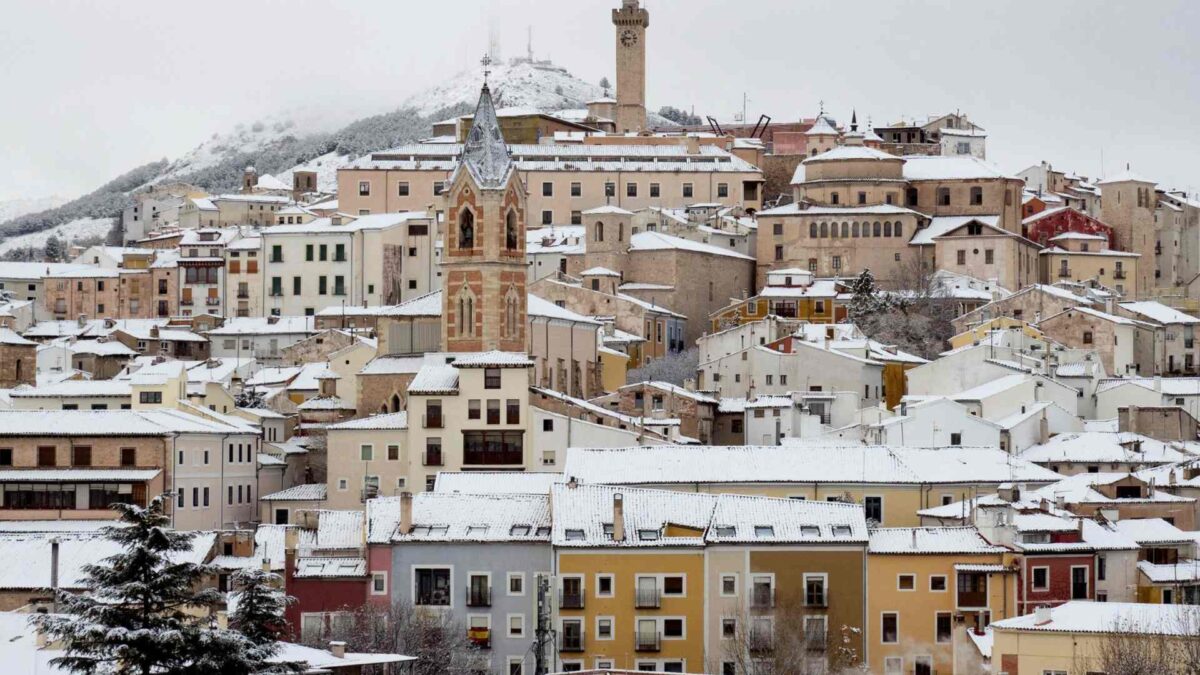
[
  {"x": 260, "y": 607},
  {"x": 605, "y": 85},
  {"x": 864, "y": 301},
  {"x": 255, "y": 627},
  {"x": 54, "y": 249},
  {"x": 140, "y": 612}
]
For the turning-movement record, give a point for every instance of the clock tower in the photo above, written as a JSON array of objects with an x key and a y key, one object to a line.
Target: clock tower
[{"x": 631, "y": 22}]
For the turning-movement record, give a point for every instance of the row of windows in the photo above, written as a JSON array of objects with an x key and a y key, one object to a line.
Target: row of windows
[
  {"x": 200, "y": 496},
  {"x": 339, "y": 285},
  {"x": 851, "y": 230}
]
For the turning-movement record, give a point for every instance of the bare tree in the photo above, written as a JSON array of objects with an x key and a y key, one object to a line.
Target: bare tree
[
  {"x": 915, "y": 317},
  {"x": 1133, "y": 647},
  {"x": 787, "y": 638},
  {"x": 674, "y": 368},
  {"x": 439, "y": 642}
]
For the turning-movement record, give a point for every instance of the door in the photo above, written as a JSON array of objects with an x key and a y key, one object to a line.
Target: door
[{"x": 1079, "y": 583}]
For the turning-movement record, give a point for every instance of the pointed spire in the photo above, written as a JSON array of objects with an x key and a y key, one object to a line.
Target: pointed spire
[
  {"x": 853, "y": 120},
  {"x": 485, "y": 154}
]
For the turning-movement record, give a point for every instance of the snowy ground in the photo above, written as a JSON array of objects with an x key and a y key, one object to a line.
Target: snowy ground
[
  {"x": 82, "y": 228},
  {"x": 326, "y": 167}
]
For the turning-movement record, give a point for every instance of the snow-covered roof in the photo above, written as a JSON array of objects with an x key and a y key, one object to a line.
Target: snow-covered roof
[
  {"x": 748, "y": 519},
  {"x": 1104, "y": 447},
  {"x": 930, "y": 540},
  {"x": 464, "y": 517},
  {"x": 311, "y": 492},
  {"x": 607, "y": 209},
  {"x": 851, "y": 152},
  {"x": 36, "y": 271},
  {"x": 318, "y": 226},
  {"x": 28, "y": 563},
  {"x": 665, "y": 465},
  {"x": 325, "y": 403},
  {"x": 1126, "y": 176},
  {"x": 657, "y": 241},
  {"x": 496, "y": 482},
  {"x": 821, "y": 128},
  {"x": 393, "y": 365},
  {"x": 1079, "y": 616},
  {"x": 599, "y": 272},
  {"x": 950, "y": 167},
  {"x": 340, "y": 530},
  {"x": 674, "y": 389},
  {"x": 11, "y": 338},
  {"x": 795, "y": 209},
  {"x": 941, "y": 225},
  {"x": 493, "y": 359},
  {"x": 1153, "y": 531},
  {"x": 317, "y": 567},
  {"x": 1076, "y": 236},
  {"x": 1182, "y": 572},
  {"x": 435, "y": 378},
  {"x": 583, "y": 516},
  {"x": 539, "y": 307},
  {"x": 1158, "y": 312},
  {"x": 387, "y": 422},
  {"x": 266, "y": 326}
]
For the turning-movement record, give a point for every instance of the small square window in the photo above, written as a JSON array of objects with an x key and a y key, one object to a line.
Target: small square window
[{"x": 906, "y": 582}]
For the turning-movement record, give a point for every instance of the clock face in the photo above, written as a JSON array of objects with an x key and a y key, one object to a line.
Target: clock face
[{"x": 628, "y": 38}]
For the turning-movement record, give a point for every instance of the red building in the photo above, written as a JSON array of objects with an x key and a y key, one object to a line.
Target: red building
[
  {"x": 1050, "y": 223},
  {"x": 324, "y": 585},
  {"x": 1055, "y": 571}
]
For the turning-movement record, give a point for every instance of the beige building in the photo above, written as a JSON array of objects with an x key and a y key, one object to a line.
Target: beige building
[
  {"x": 231, "y": 209},
  {"x": 1074, "y": 256},
  {"x": 1128, "y": 204},
  {"x": 562, "y": 180},
  {"x": 981, "y": 249},
  {"x": 368, "y": 458},
  {"x": 1126, "y": 347}
]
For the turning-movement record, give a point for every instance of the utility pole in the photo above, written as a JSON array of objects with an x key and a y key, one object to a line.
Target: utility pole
[{"x": 543, "y": 635}]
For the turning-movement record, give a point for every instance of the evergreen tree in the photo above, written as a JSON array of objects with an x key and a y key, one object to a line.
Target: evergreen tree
[
  {"x": 260, "y": 607},
  {"x": 54, "y": 250},
  {"x": 605, "y": 85},
  {"x": 864, "y": 301},
  {"x": 141, "y": 612}
]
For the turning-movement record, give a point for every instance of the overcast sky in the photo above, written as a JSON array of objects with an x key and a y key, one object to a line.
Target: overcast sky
[{"x": 95, "y": 88}]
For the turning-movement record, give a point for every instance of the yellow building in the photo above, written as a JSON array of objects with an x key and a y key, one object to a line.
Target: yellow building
[
  {"x": 999, "y": 323},
  {"x": 1079, "y": 257},
  {"x": 1080, "y": 637},
  {"x": 613, "y": 367},
  {"x": 629, "y": 565},
  {"x": 788, "y": 294},
  {"x": 929, "y": 586}
]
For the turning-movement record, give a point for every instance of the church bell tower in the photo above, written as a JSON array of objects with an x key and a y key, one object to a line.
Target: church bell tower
[
  {"x": 483, "y": 293},
  {"x": 631, "y": 22}
]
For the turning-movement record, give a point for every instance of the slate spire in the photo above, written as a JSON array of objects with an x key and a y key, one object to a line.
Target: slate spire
[{"x": 485, "y": 154}]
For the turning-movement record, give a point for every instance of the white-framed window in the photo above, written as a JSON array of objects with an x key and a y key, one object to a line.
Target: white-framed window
[
  {"x": 937, "y": 583},
  {"x": 893, "y": 665},
  {"x": 729, "y": 585},
  {"x": 343, "y": 484},
  {"x": 605, "y": 585},
  {"x": 516, "y": 584},
  {"x": 379, "y": 585},
  {"x": 516, "y": 625},
  {"x": 605, "y": 627},
  {"x": 516, "y": 665},
  {"x": 906, "y": 582},
  {"x": 1040, "y": 578},
  {"x": 816, "y": 589},
  {"x": 816, "y": 628},
  {"x": 604, "y": 664}
]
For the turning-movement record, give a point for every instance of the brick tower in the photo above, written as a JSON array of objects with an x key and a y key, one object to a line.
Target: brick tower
[
  {"x": 631, "y": 22},
  {"x": 483, "y": 296}
]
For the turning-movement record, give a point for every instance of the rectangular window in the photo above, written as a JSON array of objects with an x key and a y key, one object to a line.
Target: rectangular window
[
  {"x": 576, "y": 189},
  {"x": 889, "y": 633},
  {"x": 989, "y": 256},
  {"x": 722, "y": 190},
  {"x": 961, "y": 257},
  {"x": 432, "y": 587},
  {"x": 945, "y": 626},
  {"x": 631, "y": 189},
  {"x": 493, "y": 411},
  {"x": 1041, "y": 578},
  {"x": 473, "y": 409},
  {"x": 873, "y": 506},
  {"x": 906, "y": 582},
  {"x": 402, "y": 189},
  {"x": 655, "y": 190},
  {"x": 366, "y": 452},
  {"x": 491, "y": 378},
  {"x": 547, "y": 189},
  {"x": 364, "y": 188},
  {"x": 339, "y": 253},
  {"x": 512, "y": 413},
  {"x": 687, "y": 190},
  {"x": 81, "y": 456}
]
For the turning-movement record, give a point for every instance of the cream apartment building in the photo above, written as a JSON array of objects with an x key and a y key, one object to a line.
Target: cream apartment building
[
  {"x": 1079, "y": 257},
  {"x": 562, "y": 181},
  {"x": 327, "y": 262}
]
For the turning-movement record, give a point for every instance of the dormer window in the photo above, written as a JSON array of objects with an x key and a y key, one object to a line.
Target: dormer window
[
  {"x": 648, "y": 535},
  {"x": 543, "y": 530},
  {"x": 519, "y": 531},
  {"x": 574, "y": 535},
  {"x": 764, "y": 531},
  {"x": 842, "y": 531},
  {"x": 810, "y": 531},
  {"x": 476, "y": 530}
]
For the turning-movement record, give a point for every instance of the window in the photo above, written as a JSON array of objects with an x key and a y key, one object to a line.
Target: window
[
  {"x": 944, "y": 627},
  {"x": 81, "y": 456},
  {"x": 687, "y": 190},
  {"x": 547, "y": 189},
  {"x": 673, "y": 628},
  {"x": 473, "y": 409},
  {"x": 631, "y": 189},
  {"x": 655, "y": 190},
  {"x": 889, "y": 632},
  {"x": 364, "y": 188},
  {"x": 728, "y": 628},
  {"x": 604, "y": 628},
  {"x": 432, "y": 586},
  {"x": 961, "y": 257},
  {"x": 956, "y": 438},
  {"x": 906, "y": 582},
  {"x": 402, "y": 189},
  {"x": 491, "y": 378},
  {"x": 873, "y": 506},
  {"x": 5, "y": 456},
  {"x": 729, "y": 585},
  {"x": 128, "y": 457},
  {"x": 722, "y": 190},
  {"x": 862, "y": 198},
  {"x": 937, "y": 583},
  {"x": 673, "y": 585},
  {"x": 576, "y": 189},
  {"x": 366, "y": 452},
  {"x": 493, "y": 411},
  {"x": 989, "y": 256},
  {"x": 976, "y": 196},
  {"x": 547, "y": 217},
  {"x": 516, "y": 625},
  {"x": 604, "y": 585},
  {"x": 512, "y": 413},
  {"x": 814, "y": 590},
  {"x": 778, "y": 252},
  {"x": 378, "y": 583},
  {"x": 393, "y": 453},
  {"x": 1041, "y": 578},
  {"x": 150, "y": 397},
  {"x": 837, "y": 263},
  {"x": 943, "y": 196}
]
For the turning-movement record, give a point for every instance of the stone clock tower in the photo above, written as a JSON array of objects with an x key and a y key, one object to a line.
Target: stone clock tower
[{"x": 631, "y": 22}]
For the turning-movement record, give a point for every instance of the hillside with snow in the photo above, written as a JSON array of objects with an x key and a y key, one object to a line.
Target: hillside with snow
[
  {"x": 321, "y": 137},
  {"x": 15, "y": 208},
  {"x": 76, "y": 231}
]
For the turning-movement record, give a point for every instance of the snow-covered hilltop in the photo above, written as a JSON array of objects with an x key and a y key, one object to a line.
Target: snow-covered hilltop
[{"x": 522, "y": 84}]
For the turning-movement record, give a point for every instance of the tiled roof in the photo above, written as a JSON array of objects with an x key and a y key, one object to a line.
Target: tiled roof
[
  {"x": 930, "y": 540},
  {"x": 308, "y": 492}
]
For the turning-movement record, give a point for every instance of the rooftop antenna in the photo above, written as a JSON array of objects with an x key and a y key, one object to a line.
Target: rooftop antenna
[
  {"x": 486, "y": 62},
  {"x": 529, "y": 42}
]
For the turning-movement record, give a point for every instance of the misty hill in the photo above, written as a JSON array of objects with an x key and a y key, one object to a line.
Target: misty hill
[{"x": 320, "y": 138}]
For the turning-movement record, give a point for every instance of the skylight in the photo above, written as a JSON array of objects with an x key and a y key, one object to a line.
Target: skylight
[
  {"x": 842, "y": 531},
  {"x": 476, "y": 530},
  {"x": 648, "y": 535},
  {"x": 519, "y": 531},
  {"x": 810, "y": 530},
  {"x": 726, "y": 531},
  {"x": 764, "y": 531},
  {"x": 574, "y": 535},
  {"x": 543, "y": 530}
]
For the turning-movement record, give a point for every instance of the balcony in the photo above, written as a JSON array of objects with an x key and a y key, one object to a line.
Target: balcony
[
  {"x": 1064, "y": 272},
  {"x": 432, "y": 421},
  {"x": 762, "y": 598},
  {"x": 479, "y": 597},
  {"x": 187, "y": 302},
  {"x": 212, "y": 301},
  {"x": 245, "y": 295},
  {"x": 972, "y": 590},
  {"x": 647, "y": 641},
  {"x": 432, "y": 457},
  {"x": 570, "y": 600},
  {"x": 647, "y": 598},
  {"x": 368, "y": 493},
  {"x": 972, "y": 600},
  {"x": 1119, "y": 274},
  {"x": 761, "y": 640},
  {"x": 571, "y": 642}
]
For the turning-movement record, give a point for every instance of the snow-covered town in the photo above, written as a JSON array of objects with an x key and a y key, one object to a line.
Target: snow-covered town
[{"x": 528, "y": 377}]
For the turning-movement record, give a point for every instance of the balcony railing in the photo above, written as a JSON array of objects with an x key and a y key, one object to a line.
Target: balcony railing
[
  {"x": 432, "y": 458},
  {"x": 570, "y": 600},
  {"x": 761, "y": 640},
  {"x": 432, "y": 421},
  {"x": 570, "y": 642},
  {"x": 647, "y": 598},
  {"x": 972, "y": 599},
  {"x": 479, "y": 597},
  {"x": 647, "y": 642},
  {"x": 187, "y": 302},
  {"x": 1119, "y": 274},
  {"x": 245, "y": 295},
  {"x": 762, "y": 598},
  {"x": 1064, "y": 271},
  {"x": 480, "y": 637},
  {"x": 212, "y": 301}
]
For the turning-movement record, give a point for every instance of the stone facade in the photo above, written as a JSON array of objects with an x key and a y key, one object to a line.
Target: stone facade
[
  {"x": 631, "y": 22},
  {"x": 18, "y": 360},
  {"x": 317, "y": 347},
  {"x": 1127, "y": 205},
  {"x": 1029, "y": 305}
]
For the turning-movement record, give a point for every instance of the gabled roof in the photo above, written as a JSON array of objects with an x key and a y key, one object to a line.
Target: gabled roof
[
  {"x": 582, "y": 512},
  {"x": 463, "y": 517},
  {"x": 496, "y": 482},
  {"x": 930, "y": 541},
  {"x": 312, "y": 492},
  {"x": 1158, "y": 312},
  {"x": 1078, "y": 616},
  {"x": 941, "y": 225}
]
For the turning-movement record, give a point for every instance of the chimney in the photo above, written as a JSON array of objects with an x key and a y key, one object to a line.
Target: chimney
[
  {"x": 266, "y": 564},
  {"x": 82, "y": 320},
  {"x": 1060, "y": 501},
  {"x": 272, "y": 320},
  {"x": 618, "y": 517},
  {"x": 154, "y": 332},
  {"x": 1158, "y": 383},
  {"x": 1132, "y": 413},
  {"x": 338, "y": 649},
  {"x": 914, "y": 538},
  {"x": 406, "y": 524},
  {"x": 572, "y": 483},
  {"x": 1043, "y": 616},
  {"x": 1044, "y": 429},
  {"x": 1151, "y": 487},
  {"x": 335, "y": 220}
]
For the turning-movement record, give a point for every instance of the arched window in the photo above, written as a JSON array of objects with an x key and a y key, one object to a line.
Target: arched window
[
  {"x": 866, "y": 230},
  {"x": 833, "y": 231},
  {"x": 599, "y": 231},
  {"x": 470, "y": 316},
  {"x": 854, "y": 230},
  {"x": 510, "y": 230},
  {"x": 845, "y": 230},
  {"x": 887, "y": 229},
  {"x": 899, "y": 231},
  {"x": 396, "y": 405},
  {"x": 812, "y": 230},
  {"x": 878, "y": 229},
  {"x": 466, "y": 229},
  {"x": 462, "y": 314},
  {"x": 824, "y": 230}
]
